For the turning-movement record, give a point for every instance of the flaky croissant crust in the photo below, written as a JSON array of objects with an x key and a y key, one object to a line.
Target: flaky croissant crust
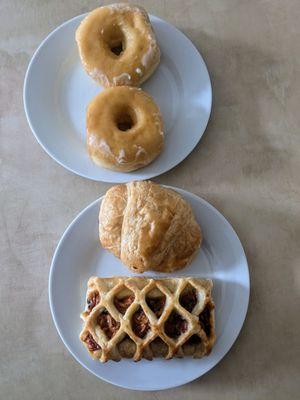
[{"x": 149, "y": 227}]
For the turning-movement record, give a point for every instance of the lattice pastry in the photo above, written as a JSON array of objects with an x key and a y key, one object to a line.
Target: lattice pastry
[{"x": 133, "y": 317}]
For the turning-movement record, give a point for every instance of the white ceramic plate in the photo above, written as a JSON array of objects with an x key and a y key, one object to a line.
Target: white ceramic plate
[
  {"x": 57, "y": 91},
  {"x": 79, "y": 256}
]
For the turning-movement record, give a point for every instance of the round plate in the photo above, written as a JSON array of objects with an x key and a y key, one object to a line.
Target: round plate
[
  {"x": 57, "y": 91},
  {"x": 79, "y": 256}
]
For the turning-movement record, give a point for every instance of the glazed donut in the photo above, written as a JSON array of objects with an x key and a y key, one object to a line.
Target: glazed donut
[
  {"x": 124, "y": 129},
  {"x": 117, "y": 45}
]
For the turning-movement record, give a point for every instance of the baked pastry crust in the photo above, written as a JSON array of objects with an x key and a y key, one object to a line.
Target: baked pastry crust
[
  {"x": 117, "y": 45},
  {"x": 149, "y": 227},
  {"x": 124, "y": 129},
  {"x": 183, "y": 324}
]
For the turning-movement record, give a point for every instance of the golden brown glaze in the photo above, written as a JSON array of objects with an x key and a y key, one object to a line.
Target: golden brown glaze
[
  {"x": 124, "y": 129},
  {"x": 117, "y": 45}
]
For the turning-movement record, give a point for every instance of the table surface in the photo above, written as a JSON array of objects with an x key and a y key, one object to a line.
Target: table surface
[{"x": 247, "y": 165}]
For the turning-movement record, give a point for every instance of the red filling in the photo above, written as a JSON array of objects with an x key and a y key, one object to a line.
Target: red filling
[
  {"x": 195, "y": 339},
  {"x": 188, "y": 299},
  {"x": 175, "y": 325},
  {"x": 140, "y": 323},
  {"x": 122, "y": 304},
  {"x": 108, "y": 324},
  {"x": 93, "y": 300},
  {"x": 157, "y": 305},
  {"x": 91, "y": 343},
  {"x": 204, "y": 319}
]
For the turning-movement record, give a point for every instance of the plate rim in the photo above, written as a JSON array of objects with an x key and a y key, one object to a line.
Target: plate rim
[
  {"x": 52, "y": 155},
  {"x": 153, "y": 388}
]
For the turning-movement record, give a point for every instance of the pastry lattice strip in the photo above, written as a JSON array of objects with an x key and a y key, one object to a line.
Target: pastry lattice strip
[{"x": 133, "y": 317}]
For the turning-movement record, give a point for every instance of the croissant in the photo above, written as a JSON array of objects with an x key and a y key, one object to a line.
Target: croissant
[{"x": 149, "y": 227}]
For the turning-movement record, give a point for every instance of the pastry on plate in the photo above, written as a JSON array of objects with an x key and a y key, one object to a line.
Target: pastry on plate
[
  {"x": 117, "y": 45},
  {"x": 124, "y": 129},
  {"x": 149, "y": 227},
  {"x": 134, "y": 317}
]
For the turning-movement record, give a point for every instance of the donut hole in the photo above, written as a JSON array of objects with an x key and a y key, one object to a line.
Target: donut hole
[
  {"x": 115, "y": 40},
  {"x": 125, "y": 119},
  {"x": 125, "y": 123},
  {"x": 117, "y": 48}
]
